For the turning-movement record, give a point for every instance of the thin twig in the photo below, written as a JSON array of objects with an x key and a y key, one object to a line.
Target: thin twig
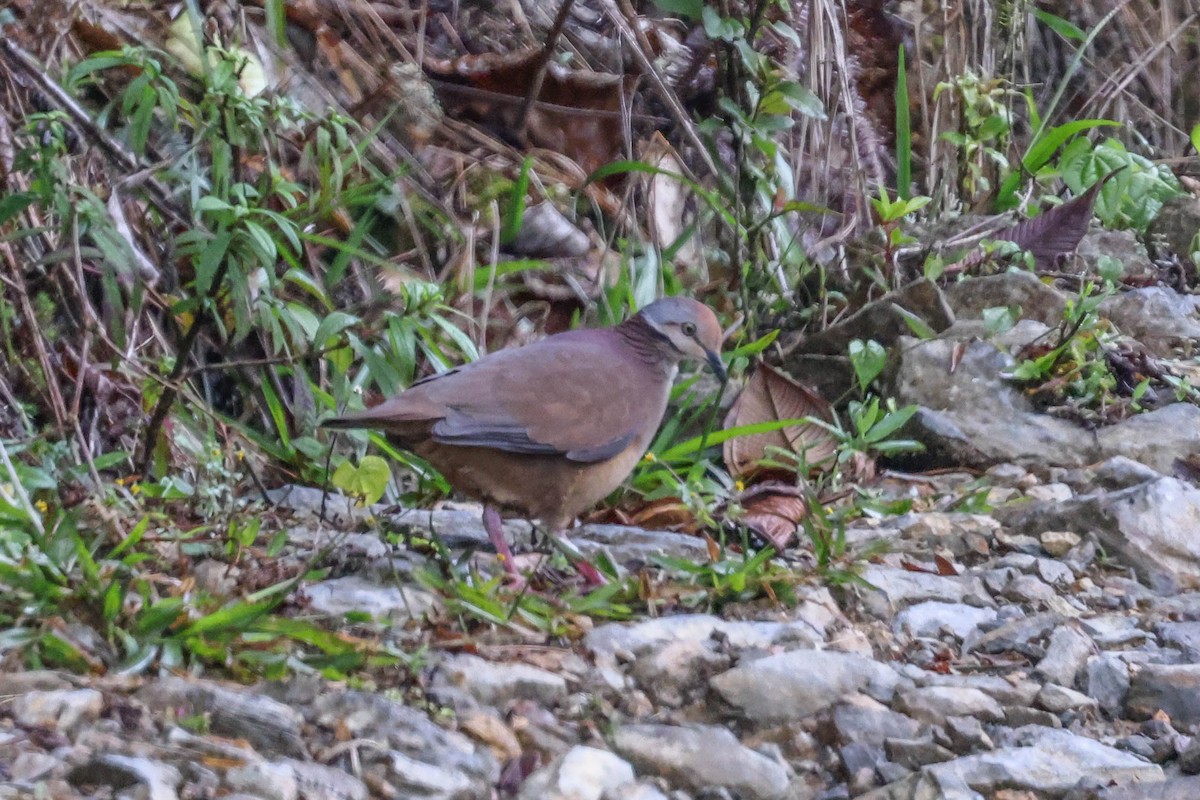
[
  {"x": 621, "y": 13},
  {"x": 540, "y": 66}
]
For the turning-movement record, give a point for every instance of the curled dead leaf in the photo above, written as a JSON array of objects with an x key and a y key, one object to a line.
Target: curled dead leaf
[
  {"x": 774, "y": 511},
  {"x": 665, "y": 513}
]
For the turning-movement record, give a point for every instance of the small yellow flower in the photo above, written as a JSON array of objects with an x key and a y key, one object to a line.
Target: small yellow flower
[
  {"x": 41, "y": 505},
  {"x": 650, "y": 458},
  {"x": 134, "y": 488},
  {"x": 241, "y": 454},
  {"x": 739, "y": 485}
]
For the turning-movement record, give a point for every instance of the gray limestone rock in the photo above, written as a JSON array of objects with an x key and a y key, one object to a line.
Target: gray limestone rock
[
  {"x": 1184, "y": 636},
  {"x": 497, "y": 684},
  {"x": 898, "y": 588},
  {"x": 1037, "y": 300},
  {"x": 701, "y": 757},
  {"x": 159, "y": 781},
  {"x": 632, "y": 640},
  {"x": 1153, "y": 526},
  {"x": 1174, "y": 689},
  {"x": 1108, "y": 682},
  {"x": 272, "y": 727},
  {"x": 865, "y": 721},
  {"x": 1043, "y": 761},
  {"x": 581, "y": 773},
  {"x": 932, "y": 618},
  {"x": 1057, "y": 699},
  {"x": 387, "y": 603},
  {"x": 932, "y": 704},
  {"x": 64, "y": 710},
  {"x": 1066, "y": 654},
  {"x": 794, "y": 685}
]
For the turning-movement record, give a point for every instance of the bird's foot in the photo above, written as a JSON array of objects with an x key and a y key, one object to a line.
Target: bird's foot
[{"x": 586, "y": 569}]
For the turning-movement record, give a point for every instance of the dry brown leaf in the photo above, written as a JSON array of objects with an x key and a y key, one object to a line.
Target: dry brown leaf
[
  {"x": 944, "y": 566},
  {"x": 1048, "y": 237},
  {"x": 774, "y": 512},
  {"x": 666, "y": 513},
  {"x": 578, "y": 113},
  {"x": 769, "y": 396}
]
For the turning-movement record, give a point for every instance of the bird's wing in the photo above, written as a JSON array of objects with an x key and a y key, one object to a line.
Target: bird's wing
[{"x": 578, "y": 395}]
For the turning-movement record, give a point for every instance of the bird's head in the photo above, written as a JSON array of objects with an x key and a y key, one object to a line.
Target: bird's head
[{"x": 690, "y": 326}]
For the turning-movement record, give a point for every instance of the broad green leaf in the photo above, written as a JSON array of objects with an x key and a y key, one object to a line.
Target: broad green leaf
[
  {"x": 1000, "y": 319},
  {"x": 13, "y": 204},
  {"x": 868, "y": 359},
  {"x": 234, "y": 618},
  {"x": 368, "y": 480},
  {"x": 332, "y": 325}
]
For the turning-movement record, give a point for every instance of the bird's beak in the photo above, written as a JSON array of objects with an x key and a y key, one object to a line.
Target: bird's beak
[{"x": 718, "y": 366}]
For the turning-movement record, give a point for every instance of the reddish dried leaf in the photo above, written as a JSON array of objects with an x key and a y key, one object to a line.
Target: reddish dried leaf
[
  {"x": 1048, "y": 237},
  {"x": 771, "y": 396},
  {"x": 774, "y": 513},
  {"x": 1058, "y": 231},
  {"x": 944, "y": 566},
  {"x": 714, "y": 550}
]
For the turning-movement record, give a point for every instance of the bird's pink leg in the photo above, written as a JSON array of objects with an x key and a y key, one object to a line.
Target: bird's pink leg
[
  {"x": 592, "y": 576},
  {"x": 495, "y": 531}
]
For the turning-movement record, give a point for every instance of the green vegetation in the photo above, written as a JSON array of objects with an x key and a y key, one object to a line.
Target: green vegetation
[{"x": 200, "y": 261}]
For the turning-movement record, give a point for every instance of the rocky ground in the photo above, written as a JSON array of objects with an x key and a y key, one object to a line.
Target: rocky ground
[
  {"x": 998, "y": 655},
  {"x": 1046, "y": 646}
]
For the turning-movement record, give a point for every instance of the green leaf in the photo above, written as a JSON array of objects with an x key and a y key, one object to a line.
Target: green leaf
[
  {"x": 505, "y": 268},
  {"x": 691, "y": 446},
  {"x": 333, "y": 324},
  {"x": 868, "y": 359},
  {"x": 233, "y": 618},
  {"x": 689, "y": 9},
  {"x": 1195, "y": 142},
  {"x": 755, "y": 347},
  {"x": 718, "y": 27},
  {"x": 1043, "y": 147},
  {"x": 801, "y": 99},
  {"x": 135, "y": 536},
  {"x": 210, "y": 259},
  {"x": 13, "y": 204},
  {"x": 1064, "y": 28},
  {"x": 903, "y": 130},
  {"x": 369, "y": 480},
  {"x": 918, "y": 326},
  {"x": 515, "y": 211},
  {"x": 1000, "y": 319},
  {"x": 891, "y": 422}
]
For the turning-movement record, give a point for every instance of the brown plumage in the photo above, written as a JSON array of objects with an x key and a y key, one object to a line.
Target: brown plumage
[{"x": 552, "y": 428}]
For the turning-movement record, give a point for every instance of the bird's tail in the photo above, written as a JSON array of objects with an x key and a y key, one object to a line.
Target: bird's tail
[
  {"x": 347, "y": 422},
  {"x": 405, "y": 423}
]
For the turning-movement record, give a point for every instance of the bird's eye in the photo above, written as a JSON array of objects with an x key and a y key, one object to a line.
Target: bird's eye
[{"x": 688, "y": 328}]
